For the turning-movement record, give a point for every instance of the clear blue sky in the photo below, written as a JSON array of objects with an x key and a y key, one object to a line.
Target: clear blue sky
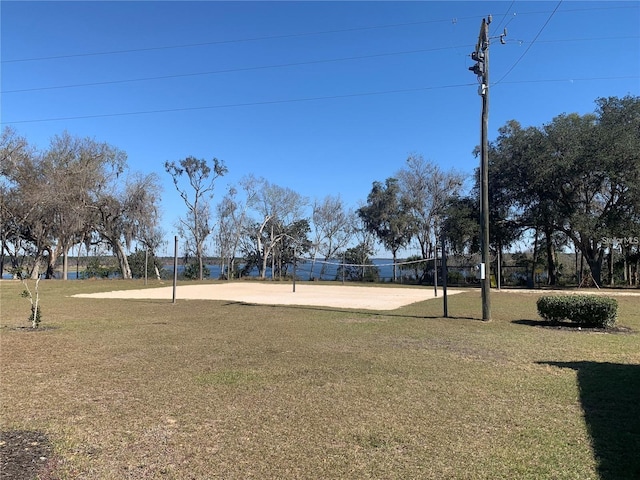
[{"x": 321, "y": 97}]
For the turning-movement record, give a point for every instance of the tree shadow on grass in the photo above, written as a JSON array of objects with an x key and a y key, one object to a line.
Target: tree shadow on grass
[
  {"x": 610, "y": 397},
  {"x": 572, "y": 326},
  {"x": 355, "y": 311},
  {"x": 542, "y": 323}
]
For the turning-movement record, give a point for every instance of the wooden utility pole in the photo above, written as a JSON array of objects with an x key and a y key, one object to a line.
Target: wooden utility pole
[
  {"x": 445, "y": 274},
  {"x": 175, "y": 267},
  {"x": 481, "y": 69}
]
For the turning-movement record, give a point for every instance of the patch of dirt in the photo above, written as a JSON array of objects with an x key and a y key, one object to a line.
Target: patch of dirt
[
  {"x": 29, "y": 329},
  {"x": 25, "y": 455}
]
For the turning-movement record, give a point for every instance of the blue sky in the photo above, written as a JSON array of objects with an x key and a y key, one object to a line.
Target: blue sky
[{"x": 320, "y": 97}]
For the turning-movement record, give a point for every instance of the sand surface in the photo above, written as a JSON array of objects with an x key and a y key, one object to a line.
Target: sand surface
[{"x": 342, "y": 296}]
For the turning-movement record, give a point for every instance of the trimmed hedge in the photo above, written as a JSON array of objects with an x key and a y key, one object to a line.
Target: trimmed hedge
[{"x": 585, "y": 310}]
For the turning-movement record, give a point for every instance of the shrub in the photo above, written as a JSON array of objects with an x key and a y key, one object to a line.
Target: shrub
[
  {"x": 137, "y": 261},
  {"x": 35, "y": 316},
  {"x": 585, "y": 310},
  {"x": 95, "y": 269},
  {"x": 455, "y": 278},
  {"x": 34, "y": 298},
  {"x": 192, "y": 271}
]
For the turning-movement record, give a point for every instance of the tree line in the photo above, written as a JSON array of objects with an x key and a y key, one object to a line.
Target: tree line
[
  {"x": 574, "y": 182},
  {"x": 78, "y": 191},
  {"x": 269, "y": 227}
]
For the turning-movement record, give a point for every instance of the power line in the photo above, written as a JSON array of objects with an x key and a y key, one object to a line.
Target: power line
[
  {"x": 563, "y": 80},
  {"x": 305, "y": 99},
  {"x": 285, "y": 65},
  {"x": 234, "y": 105},
  {"x": 588, "y": 39},
  {"x": 504, "y": 15},
  {"x": 222, "y": 42},
  {"x": 233, "y": 70},
  {"x": 283, "y": 36},
  {"x": 531, "y": 44}
]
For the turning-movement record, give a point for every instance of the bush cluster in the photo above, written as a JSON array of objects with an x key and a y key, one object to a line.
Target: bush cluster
[
  {"x": 192, "y": 271},
  {"x": 95, "y": 269},
  {"x": 137, "y": 261},
  {"x": 585, "y": 310}
]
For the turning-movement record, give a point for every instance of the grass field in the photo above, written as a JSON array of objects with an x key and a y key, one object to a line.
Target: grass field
[{"x": 144, "y": 389}]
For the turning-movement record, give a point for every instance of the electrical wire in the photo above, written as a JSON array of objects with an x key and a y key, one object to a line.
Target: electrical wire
[
  {"x": 283, "y": 36},
  {"x": 505, "y": 16},
  {"x": 571, "y": 80},
  {"x": 530, "y": 45},
  {"x": 282, "y": 65},
  {"x": 234, "y": 105},
  {"x": 299, "y": 100},
  {"x": 232, "y": 70},
  {"x": 223, "y": 42}
]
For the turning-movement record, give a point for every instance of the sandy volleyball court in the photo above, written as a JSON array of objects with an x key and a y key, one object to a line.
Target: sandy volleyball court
[{"x": 370, "y": 298}]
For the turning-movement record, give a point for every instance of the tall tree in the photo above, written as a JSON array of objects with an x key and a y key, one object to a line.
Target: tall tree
[
  {"x": 56, "y": 190},
  {"x": 618, "y": 146},
  {"x": 200, "y": 177},
  {"x": 27, "y": 221},
  {"x": 17, "y": 202},
  {"x": 127, "y": 215},
  {"x": 13, "y": 149},
  {"x": 293, "y": 244},
  {"x": 233, "y": 219},
  {"x": 427, "y": 189},
  {"x": 518, "y": 200},
  {"x": 386, "y": 215},
  {"x": 357, "y": 264},
  {"x": 333, "y": 229},
  {"x": 227, "y": 238},
  {"x": 77, "y": 171},
  {"x": 576, "y": 176},
  {"x": 68, "y": 194},
  {"x": 461, "y": 224},
  {"x": 275, "y": 210}
]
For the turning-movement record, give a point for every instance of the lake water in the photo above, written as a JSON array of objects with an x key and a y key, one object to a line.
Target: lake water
[{"x": 303, "y": 270}]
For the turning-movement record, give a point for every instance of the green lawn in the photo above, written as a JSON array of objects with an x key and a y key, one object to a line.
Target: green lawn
[{"x": 213, "y": 389}]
